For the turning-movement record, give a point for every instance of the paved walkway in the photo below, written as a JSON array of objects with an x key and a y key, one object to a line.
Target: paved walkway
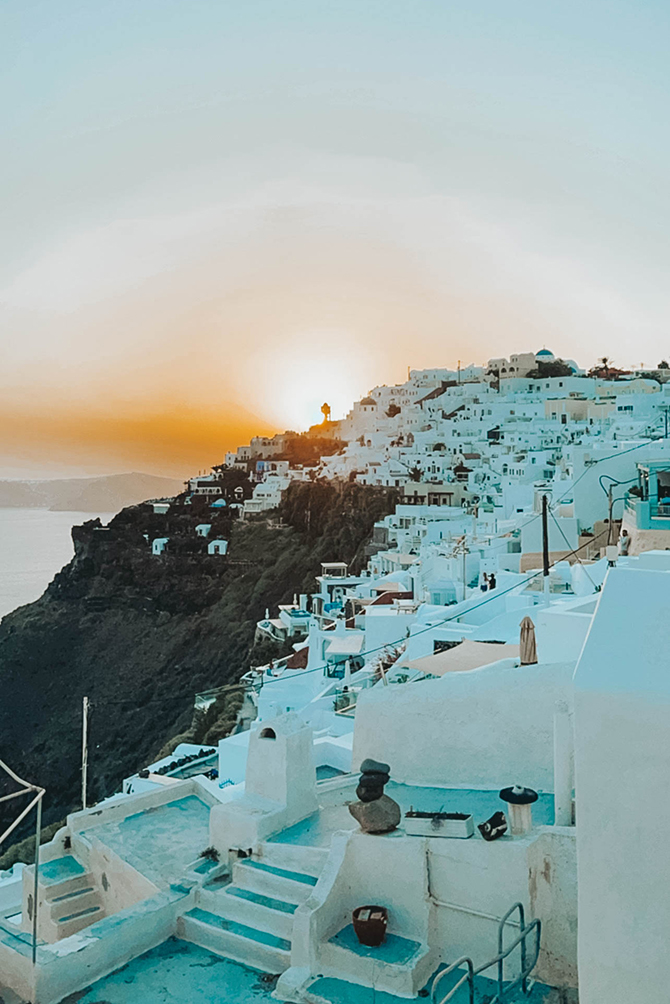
[{"x": 178, "y": 972}]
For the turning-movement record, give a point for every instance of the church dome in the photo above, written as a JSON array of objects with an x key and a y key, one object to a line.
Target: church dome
[{"x": 544, "y": 356}]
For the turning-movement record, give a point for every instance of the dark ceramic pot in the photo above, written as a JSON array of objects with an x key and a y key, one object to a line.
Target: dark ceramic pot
[{"x": 370, "y": 924}]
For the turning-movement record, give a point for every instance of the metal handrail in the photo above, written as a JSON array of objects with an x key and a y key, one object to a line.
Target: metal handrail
[
  {"x": 469, "y": 976},
  {"x": 526, "y": 966}
]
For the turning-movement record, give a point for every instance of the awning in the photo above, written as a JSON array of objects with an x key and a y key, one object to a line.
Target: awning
[
  {"x": 467, "y": 655},
  {"x": 346, "y": 645},
  {"x": 388, "y": 586}
]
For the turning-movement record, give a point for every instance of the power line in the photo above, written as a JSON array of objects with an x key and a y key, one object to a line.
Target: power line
[
  {"x": 495, "y": 594},
  {"x": 560, "y": 528}
]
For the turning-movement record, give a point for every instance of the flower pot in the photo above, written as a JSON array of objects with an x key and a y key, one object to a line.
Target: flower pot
[
  {"x": 370, "y": 924},
  {"x": 458, "y": 825}
]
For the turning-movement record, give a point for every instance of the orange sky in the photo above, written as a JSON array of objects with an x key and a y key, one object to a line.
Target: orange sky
[
  {"x": 217, "y": 216},
  {"x": 160, "y": 343}
]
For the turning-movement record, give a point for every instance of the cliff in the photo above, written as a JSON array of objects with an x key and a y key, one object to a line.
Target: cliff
[{"x": 140, "y": 634}]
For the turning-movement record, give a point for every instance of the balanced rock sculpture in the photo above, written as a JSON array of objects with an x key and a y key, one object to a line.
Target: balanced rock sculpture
[{"x": 374, "y": 811}]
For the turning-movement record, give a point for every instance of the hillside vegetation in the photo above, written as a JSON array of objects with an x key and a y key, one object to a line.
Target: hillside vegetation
[{"x": 140, "y": 635}]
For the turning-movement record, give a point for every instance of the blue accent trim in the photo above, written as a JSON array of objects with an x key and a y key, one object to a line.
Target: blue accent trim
[
  {"x": 281, "y": 872},
  {"x": 241, "y": 930},
  {"x": 280, "y": 905}
]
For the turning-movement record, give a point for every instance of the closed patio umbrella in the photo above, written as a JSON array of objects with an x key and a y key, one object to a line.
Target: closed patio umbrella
[{"x": 527, "y": 646}]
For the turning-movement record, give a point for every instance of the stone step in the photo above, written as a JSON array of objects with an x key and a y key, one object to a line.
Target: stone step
[
  {"x": 73, "y": 903},
  {"x": 240, "y": 942},
  {"x": 268, "y": 880},
  {"x": 77, "y": 920},
  {"x": 293, "y": 857},
  {"x": 63, "y": 875},
  {"x": 60, "y": 869},
  {"x": 264, "y": 912}
]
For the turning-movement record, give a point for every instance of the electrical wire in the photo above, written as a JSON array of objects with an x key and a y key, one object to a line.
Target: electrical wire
[
  {"x": 561, "y": 531},
  {"x": 495, "y": 594}
]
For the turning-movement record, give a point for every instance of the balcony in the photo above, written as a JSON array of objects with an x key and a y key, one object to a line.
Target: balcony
[{"x": 648, "y": 514}]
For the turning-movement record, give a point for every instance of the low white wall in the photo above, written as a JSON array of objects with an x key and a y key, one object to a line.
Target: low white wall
[
  {"x": 16, "y": 968},
  {"x": 552, "y": 882},
  {"x": 449, "y": 894},
  {"x": 485, "y": 727},
  {"x": 115, "y": 812},
  {"x": 119, "y": 884},
  {"x": 74, "y": 963},
  {"x": 11, "y": 887},
  {"x": 365, "y": 869},
  {"x": 485, "y": 878}
]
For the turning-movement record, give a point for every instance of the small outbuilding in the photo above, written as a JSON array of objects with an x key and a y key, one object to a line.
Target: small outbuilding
[
  {"x": 202, "y": 529},
  {"x": 217, "y": 547},
  {"x": 159, "y": 544}
]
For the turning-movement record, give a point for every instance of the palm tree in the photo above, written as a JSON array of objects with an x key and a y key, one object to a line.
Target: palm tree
[{"x": 605, "y": 362}]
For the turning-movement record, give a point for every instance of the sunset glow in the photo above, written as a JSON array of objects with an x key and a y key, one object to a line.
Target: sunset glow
[{"x": 231, "y": 232}]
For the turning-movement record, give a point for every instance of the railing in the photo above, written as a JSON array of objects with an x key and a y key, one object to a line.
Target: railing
[
  {"x": 499, "y": 960},
  {"x": 661, "y": 509}
]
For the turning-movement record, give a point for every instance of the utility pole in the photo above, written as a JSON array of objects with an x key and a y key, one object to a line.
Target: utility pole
[
  {"x": 36, "y": 878},
  {"x": 545, "y": 546},
  {"x": 610, "y": 508},
  {"x": 665, "y": 408},
  {"x": 84, "y": 753}
]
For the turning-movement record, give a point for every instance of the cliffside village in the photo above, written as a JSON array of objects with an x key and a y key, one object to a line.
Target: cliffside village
[{"x": 453, "y": 786}]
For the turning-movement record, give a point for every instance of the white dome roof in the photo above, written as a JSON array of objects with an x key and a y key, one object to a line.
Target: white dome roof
[{"x": 544, "y": 355}]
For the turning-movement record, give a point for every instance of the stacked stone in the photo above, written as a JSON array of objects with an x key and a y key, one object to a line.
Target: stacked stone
[
  {"x": 374, "y": 775},
  {"x": 375, "y": 811}
]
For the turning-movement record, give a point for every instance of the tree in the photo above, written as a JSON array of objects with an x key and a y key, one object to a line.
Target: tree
[
  {"x": 555, "y": 368},
  {"x": 663, "y": 365}
]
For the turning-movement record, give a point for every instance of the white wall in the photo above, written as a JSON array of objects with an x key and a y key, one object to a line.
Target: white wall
[
  {"x": 490, "y": 726},
  {"x": 622, "y": 761}
]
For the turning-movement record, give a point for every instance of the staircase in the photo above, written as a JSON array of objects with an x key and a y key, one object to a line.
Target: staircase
[
  {"x": 69, "y": 898},
  {"x": 251, "y": 919}
]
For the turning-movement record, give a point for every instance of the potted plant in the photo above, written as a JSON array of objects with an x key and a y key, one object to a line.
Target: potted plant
[
  {"x": 370, "y": 924},
  {"x": 458, "y": 825}
]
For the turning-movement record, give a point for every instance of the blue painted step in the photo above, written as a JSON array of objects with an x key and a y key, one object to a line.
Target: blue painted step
[
  {"x": 72, "y": 895},
  {"x": 256, "y": 897},
  {"x": 337, "y": 991},
  {"x": 281, "y": 872},
  {"x": 262, "y": 937},
  {"x": 80, "y": 913},
  {"x": 60, "y": 870}
]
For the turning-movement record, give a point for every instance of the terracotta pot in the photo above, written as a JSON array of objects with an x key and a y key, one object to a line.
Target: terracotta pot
[{"x": 370, "y": 924}]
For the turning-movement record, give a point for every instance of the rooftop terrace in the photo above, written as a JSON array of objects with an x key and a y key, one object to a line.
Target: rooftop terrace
[
  {"x": 178, "y": 971},
  {"x": 160, "y": 842},
  {"x": 333, "y": 814}
]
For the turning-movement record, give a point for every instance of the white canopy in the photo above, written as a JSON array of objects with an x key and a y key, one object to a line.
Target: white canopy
[
  {"x": 349, "y": 644},
  {"x": 467, "y": 655}
]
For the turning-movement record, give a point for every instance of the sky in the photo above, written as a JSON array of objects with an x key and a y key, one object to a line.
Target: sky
[{"x": 217, "y": 214}]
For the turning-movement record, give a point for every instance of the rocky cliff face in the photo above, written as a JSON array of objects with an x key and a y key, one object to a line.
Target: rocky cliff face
[{"x": 140, "y": 635}]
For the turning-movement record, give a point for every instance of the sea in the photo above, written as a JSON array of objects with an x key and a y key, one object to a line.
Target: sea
[{"x": 34, "y": 545}]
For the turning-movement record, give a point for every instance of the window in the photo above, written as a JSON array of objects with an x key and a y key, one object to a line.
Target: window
[{"x": 268, "y": 734}]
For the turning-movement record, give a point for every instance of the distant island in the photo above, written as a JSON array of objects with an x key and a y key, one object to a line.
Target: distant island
[{"x": 104, "y": 494}]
